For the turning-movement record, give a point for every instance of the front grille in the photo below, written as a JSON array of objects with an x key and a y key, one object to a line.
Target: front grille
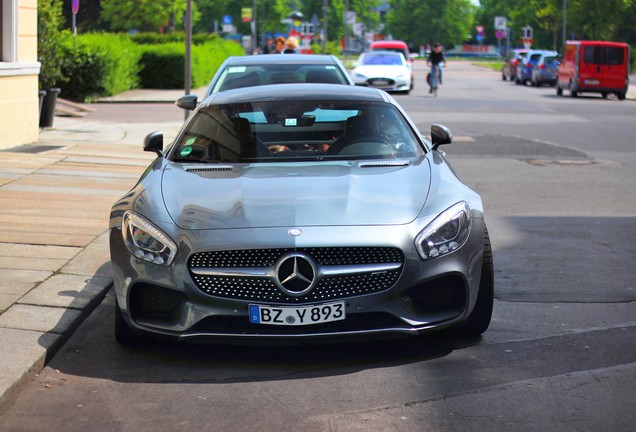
[{"x": 328, "y": 288}]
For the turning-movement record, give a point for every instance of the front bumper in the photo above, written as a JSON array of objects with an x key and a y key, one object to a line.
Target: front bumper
[{"x": 427, "y": 295}]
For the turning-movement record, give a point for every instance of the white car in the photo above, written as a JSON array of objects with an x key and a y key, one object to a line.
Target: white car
[{"x": 384, "y": 70}]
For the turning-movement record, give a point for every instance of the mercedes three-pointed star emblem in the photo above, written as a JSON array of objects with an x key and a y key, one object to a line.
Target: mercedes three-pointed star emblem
[{"x": 295, "y": 274}]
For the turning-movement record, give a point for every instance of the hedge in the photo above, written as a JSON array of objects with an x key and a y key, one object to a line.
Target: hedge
[
  {"x": 162, "y": 38},
  {"x": 98, "y": 64},
  {"x": 163, "y": 64}
]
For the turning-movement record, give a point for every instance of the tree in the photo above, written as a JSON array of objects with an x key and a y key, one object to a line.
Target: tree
[
  {"x": 144, "y": 15},
  {"x": 446, "y": 21}
]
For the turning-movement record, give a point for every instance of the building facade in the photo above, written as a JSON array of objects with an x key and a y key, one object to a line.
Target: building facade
[{"x": 19, "y": 68}]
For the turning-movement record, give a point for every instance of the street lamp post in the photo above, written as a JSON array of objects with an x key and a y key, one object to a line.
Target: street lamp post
[
  {"x": 565, "y": 21},
  {"x": 187, "y": 81},
  {"x": 325, "y": 6}
]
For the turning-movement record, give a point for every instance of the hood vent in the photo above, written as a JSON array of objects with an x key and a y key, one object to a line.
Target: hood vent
[
  {"x": 384, "y": 164},
  {"x": 208, "y": 168}
]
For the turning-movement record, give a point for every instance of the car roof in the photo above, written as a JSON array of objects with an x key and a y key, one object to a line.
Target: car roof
[
  {"x": 280, "y": 58},
  {"x": 304, "y": 91},
  {"x": 391, "y": 43}
]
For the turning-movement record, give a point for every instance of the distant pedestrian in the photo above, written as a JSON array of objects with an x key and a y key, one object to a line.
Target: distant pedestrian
[
  {"x": 291, "y": 44},
  {"x": 279, "y": 46},
  {"x": 268, "y": 48}
]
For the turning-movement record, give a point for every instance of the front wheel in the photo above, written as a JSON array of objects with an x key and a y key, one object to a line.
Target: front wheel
[
  {"x": 479, "y": 319},
  {"x": 573, "y": 92},
  {"x": 559, "y": 90}
]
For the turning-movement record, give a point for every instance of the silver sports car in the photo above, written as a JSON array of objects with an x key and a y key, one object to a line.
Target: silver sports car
[{"x": 299, "y": 212}]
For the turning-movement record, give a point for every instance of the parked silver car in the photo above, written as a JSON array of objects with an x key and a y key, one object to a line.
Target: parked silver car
[
  {"x": 254, "y": 70},
  {"x": 299, "y": 212}
]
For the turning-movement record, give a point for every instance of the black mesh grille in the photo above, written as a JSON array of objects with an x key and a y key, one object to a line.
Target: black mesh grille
[{"x": 331, "y": 288}]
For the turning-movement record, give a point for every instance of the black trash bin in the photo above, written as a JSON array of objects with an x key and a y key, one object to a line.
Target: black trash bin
[{"x": 48, "y": 107}]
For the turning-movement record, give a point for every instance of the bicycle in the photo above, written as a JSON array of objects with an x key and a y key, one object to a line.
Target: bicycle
[{"x": 433, "y": 79}]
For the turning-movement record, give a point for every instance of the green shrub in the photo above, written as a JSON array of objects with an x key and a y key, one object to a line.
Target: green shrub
[
  {"x": 163, "y": 64},
  {"x": 99, "y": 64},
  {"x": 162, "y": 38},
  {"x": 49, "y": 36},
  {"x": 332, "y": 47}
]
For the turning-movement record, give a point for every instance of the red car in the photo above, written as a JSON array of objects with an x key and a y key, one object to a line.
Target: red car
[
  {"x": 594, "y": 67},
  {"x": 509, "y": 69}
]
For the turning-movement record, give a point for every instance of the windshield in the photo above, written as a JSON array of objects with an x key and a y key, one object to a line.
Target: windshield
[
  {"x": 249, "y": 76},
  {"x": 295, "y": 130},
  {"x": 381, "y": 59}
]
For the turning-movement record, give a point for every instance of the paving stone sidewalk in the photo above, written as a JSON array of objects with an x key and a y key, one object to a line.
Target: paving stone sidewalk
[{"x": 55, "y": 198}]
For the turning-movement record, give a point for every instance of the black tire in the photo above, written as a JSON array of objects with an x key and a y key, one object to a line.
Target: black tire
[
  {"x": 573, "y": 92},
  {"x": 517, "y": 81},
  {"x": 503, "y": 77},
  {"x": 479, "y": 319},
  {"x": 621, "y": 96},
  {"x": 604, "y": 95},
  {"x": 124, "y": 334},
  {"x": 559, "y": 90}
]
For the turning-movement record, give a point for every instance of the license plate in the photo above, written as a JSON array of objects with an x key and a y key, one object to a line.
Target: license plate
[
  {"x": 297, "y": 316},
  {"x": 591, "y": 82}
]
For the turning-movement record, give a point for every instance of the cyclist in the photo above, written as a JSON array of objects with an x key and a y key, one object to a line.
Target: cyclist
[{"x": 435, "y": 58}]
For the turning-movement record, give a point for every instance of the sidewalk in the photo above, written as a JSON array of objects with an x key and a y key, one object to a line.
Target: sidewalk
[{"x": 55, "y": 200}]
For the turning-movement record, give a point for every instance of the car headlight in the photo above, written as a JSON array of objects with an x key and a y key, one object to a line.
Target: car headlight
[
  {"x": 446, "y": 233},
  {"x": 147, "y": 242},
  {"x": 359, "y": 76}
]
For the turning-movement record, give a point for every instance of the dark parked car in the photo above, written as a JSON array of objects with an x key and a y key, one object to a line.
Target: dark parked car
[
  {"x": 299, "y": 212},
  {"x": 250, "y": 71},
  {"x": 509, "y": 69},
  {"x": 545, "y": 71}
]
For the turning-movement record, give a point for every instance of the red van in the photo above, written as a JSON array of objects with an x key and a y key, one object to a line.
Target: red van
[{"x": 594, "y": 67}]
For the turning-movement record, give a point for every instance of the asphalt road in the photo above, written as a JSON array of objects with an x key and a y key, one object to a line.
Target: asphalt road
[{"x": 558, "y": 178}]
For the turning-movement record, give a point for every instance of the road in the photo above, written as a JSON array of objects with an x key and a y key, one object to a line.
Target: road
[{"x": 557, "y": 176}]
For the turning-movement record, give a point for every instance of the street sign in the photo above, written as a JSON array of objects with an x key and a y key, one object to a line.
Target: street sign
[
  {"x": 480, "y": 29},
  {"x": 479, "y": 37},
  {"x": 500, "y": 34},
  {"x": 75, "y": 6},
  {"x": 227, "y": 19},
  {"x": 350, "y": 17},
  {"x": 246, "y": 14},
  {"x": 501, "y": 23}
]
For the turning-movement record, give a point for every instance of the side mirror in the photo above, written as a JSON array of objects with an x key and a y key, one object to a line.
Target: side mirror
[
  {"x": 187, "y": 102},
  {"x": 154, "y": 142},
  {"x": 440, "y": 134}
]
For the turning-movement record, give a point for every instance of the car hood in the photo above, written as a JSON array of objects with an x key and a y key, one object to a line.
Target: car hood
[
  {"x": 295, "y": 194},
  {"x": 381, "y": 71}
]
